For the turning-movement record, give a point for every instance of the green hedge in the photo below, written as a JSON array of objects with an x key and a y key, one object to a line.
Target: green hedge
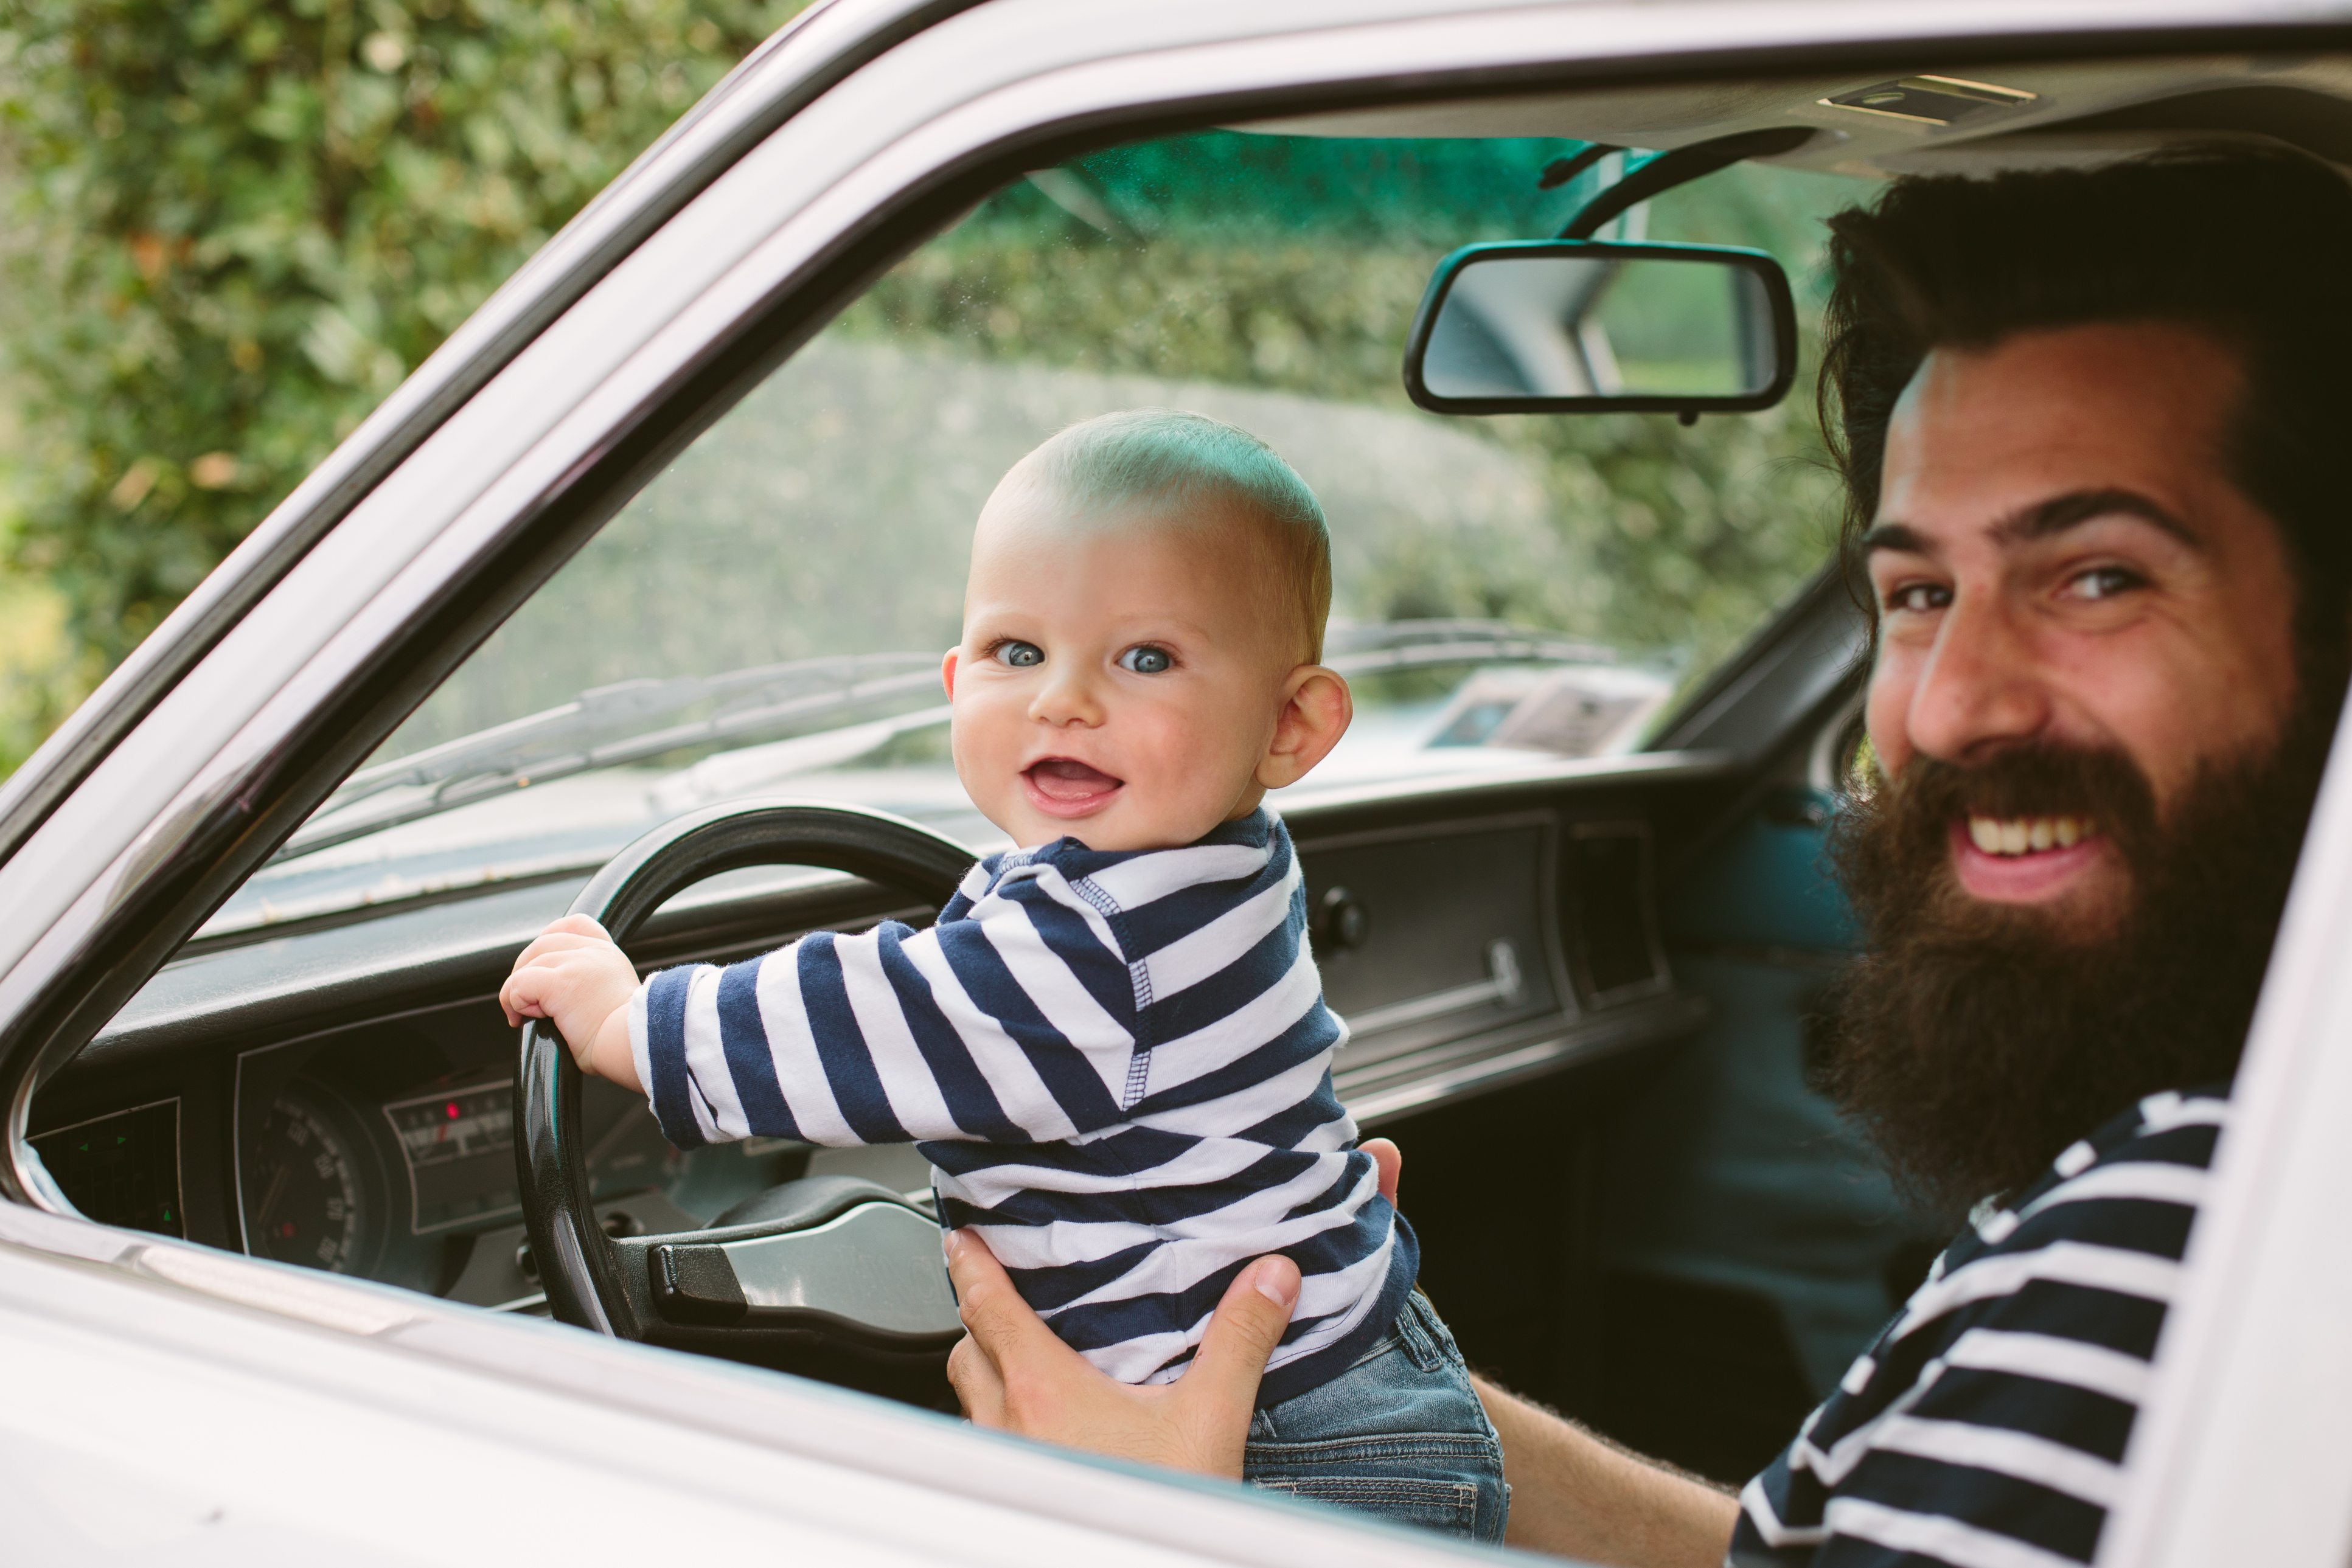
[{"x": 239, "y": 224}]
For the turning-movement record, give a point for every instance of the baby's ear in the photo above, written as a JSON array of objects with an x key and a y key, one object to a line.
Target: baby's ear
[
  {"x": 1315, "y": 710},
  {"x": 948, "y": 669}
]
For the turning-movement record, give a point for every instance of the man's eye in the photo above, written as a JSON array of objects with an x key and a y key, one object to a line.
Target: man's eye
[
  {"x": 2104, "y": 582},
  {"x": 1919, "y": 598},
  {"x": 1147, "y": 660},
  {"x": 1020, "y": 655}
]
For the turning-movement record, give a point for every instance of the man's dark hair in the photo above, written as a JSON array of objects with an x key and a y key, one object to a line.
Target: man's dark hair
[
  {"x": 2250, "y": 244},
  {"x": 1973, "y": 1040}
]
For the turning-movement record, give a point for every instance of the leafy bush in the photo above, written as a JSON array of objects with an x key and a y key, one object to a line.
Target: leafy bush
[{"x": 240, "y": 222}]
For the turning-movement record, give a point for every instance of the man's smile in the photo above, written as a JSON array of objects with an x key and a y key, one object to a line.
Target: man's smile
[
  {"x": 1064, "y": 786},
  {"x": 2028, "y": 835},
  {"x": 2024, "y": 860}
]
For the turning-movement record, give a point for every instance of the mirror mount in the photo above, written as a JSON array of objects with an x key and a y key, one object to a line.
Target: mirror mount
[
  {"x": 1560, "y": 171},
  {"x": 1655, "y": 175}
]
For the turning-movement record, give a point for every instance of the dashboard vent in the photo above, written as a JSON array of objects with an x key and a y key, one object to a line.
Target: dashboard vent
[
  {"x": 122, "y": 1169},
  {"x": 1609, "y": 912}
]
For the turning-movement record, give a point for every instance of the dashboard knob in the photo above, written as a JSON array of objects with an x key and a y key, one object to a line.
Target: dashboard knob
[{"x": 1345, "y": 921}]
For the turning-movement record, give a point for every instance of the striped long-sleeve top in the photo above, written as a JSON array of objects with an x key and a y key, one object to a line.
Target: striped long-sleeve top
[
  {"x": 1120, "y": 1067},
  {"x": 1985, "y": 1428}
]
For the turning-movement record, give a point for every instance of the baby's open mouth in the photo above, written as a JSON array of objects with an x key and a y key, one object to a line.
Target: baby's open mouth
[
  {"x": 2012, "y": 836},
  {"x": 1067, "y": 782}
]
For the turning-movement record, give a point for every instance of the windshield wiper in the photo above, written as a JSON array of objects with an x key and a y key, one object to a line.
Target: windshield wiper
[
  {"x": 607, "y": 726},
  {"x": 572, "y": 738},
  {"x": 1416, "y": 645}
]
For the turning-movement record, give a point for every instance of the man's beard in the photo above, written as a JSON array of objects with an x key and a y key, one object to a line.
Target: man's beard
[{"x": 1974, "y": 1040}]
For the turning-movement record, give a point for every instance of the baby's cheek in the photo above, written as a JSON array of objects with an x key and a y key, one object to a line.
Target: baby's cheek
[
  {"x": 1224, "y": 744},
  {"x": 967, "y": 748}
]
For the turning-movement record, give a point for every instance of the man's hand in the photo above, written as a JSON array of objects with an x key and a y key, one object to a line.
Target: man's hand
[
  {"x": 1013, "y": 1374},
  {"x": 1389, "y": 1161},
  {"x": 573, "y": 976}
]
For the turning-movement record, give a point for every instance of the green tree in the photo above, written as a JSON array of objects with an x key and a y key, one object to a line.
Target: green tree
[{"x": 240, "y": 222}]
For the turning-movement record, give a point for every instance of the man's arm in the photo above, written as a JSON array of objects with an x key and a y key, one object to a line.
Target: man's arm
[{"x": 1576, "y": 1494}]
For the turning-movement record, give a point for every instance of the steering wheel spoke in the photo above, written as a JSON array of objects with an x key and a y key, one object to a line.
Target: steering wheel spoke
[{"x": 824, "y": 1263}]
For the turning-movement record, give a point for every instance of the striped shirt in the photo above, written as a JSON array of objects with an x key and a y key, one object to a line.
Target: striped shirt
[
  {"x": 1120, "y": 1067},
  {"x": 1986, "y": 1426}
]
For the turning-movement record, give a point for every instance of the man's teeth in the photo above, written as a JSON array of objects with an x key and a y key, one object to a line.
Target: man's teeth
[{"x": 2024, "y": 835}]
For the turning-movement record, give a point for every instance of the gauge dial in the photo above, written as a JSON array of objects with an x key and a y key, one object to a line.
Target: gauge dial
[{"x": 308, "y": 1197}]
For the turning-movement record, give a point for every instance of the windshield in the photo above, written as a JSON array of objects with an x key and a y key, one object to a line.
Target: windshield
[{"x": 767, "y": 616}]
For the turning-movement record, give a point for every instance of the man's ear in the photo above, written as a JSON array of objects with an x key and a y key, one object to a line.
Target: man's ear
[
  {"x": 1316, "y": 709},
  {"x": 947, "y": 671}
]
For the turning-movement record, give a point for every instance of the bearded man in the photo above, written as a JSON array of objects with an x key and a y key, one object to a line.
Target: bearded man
[{"x": 2088, "y": 428}]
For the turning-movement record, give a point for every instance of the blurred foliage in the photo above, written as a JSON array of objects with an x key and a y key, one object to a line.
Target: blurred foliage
[
  {"x": 1267, "y": 279},
  {"x": 238, "y": 224},
  {"x": 1296, "y": 264}
]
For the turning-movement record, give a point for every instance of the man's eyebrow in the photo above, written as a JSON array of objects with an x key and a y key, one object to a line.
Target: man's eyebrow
[
  {"x": 2060, "y": 513},
  {"x": 1894, "y": 535}
]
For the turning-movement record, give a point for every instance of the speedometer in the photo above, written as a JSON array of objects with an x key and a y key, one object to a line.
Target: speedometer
[{"x": 309, "y": 1199}]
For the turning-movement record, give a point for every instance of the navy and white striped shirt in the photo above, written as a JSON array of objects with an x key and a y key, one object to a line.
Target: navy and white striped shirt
[
  {"x": 1985, "y": 1428},
  {"x": 1120, "y": 1067}
]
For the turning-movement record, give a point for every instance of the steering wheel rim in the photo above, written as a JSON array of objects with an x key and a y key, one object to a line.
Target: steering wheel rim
[{"x": 578, "y": 1263}]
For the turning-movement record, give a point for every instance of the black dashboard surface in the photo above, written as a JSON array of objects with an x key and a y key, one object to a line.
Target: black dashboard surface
[{"x": 340, "y": 1097}]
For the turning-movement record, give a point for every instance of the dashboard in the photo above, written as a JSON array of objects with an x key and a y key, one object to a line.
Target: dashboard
[{"x": 341, "y": 1096}]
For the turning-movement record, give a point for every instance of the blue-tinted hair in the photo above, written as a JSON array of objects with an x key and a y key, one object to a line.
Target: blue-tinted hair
[{"x": 1165, "y": 461}]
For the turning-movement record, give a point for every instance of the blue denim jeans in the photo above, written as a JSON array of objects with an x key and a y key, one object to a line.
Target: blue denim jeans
[{"x": 1401, "y": 1435}]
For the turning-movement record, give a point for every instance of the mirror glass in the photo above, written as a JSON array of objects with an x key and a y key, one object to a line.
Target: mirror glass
[{"x": 1592, "y": 325}]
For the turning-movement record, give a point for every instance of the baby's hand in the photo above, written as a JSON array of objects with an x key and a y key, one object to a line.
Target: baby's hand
[{"x": 575, "y": 976}]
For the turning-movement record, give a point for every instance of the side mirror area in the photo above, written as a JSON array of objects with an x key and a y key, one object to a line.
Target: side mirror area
[{"x": 1585, "y": 327}]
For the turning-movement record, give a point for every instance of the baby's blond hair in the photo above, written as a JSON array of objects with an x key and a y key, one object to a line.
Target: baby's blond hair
[{"x": 1163, "y": 460}]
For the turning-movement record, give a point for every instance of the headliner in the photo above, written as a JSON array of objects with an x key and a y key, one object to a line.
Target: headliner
[{"x": 2079, "y": 112}]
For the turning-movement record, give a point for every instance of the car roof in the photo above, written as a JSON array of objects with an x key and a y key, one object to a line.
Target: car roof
[{"x": 1953, "y": 119}]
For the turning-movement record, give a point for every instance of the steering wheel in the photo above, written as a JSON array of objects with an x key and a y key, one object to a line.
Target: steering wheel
[{"x": 809, "y": 1276}]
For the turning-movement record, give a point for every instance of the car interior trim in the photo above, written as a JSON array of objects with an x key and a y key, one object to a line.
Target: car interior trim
[
  {"x": 1612, "y": 885},
  {"x": 1487, "y": 1063}
]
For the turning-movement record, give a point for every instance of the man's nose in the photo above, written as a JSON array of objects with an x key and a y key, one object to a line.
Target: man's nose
[
  {"x": 1983, "y": 689},
  {"x": 1068, "y": 695}
]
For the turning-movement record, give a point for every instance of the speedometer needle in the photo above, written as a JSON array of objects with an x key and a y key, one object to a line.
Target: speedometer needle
[{"x": 268, "y": 1204}]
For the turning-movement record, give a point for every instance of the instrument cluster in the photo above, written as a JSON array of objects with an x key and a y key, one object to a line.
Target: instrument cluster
[{"x": 387, "y": 1151}]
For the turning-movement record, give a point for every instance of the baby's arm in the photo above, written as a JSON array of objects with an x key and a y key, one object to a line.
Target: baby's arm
[
  {"x": 574, "y": 976},
  {"x": 984, "y": 1028}
]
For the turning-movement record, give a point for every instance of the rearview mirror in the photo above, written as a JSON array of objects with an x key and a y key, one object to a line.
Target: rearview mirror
[{"x": 1583, "y": 327}]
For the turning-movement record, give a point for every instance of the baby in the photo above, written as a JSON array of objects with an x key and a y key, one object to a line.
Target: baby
[{"x": 1112, "y": 1046}]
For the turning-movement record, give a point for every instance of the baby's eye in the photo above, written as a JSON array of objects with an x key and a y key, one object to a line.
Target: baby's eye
[
  {"x": 1020, "y": 655},
  {"x": 1147, "y": 660}
]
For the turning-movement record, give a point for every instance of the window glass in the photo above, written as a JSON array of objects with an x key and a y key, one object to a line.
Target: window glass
[{"x": 767, "y": 616}]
